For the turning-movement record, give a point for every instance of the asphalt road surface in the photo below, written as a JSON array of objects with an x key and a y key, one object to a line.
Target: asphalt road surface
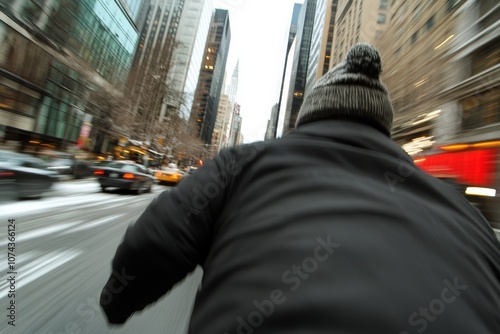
[
  {"x": 63, "y": 250},
  {"x": 64, "y": 244}
]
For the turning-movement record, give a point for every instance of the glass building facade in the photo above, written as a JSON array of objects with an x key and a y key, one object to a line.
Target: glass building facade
[
  {"x": 98, "y": 31},
  {"x": 74, "y": 49},
  {"x": 135, "y": 8},
  {"x": 208, "y": 91}
]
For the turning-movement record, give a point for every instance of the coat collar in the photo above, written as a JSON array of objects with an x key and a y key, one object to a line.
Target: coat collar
[{"x": 353, "y": 134}]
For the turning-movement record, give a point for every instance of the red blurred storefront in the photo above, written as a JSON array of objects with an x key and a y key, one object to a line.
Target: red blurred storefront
[{"x": 475, "y": 165}]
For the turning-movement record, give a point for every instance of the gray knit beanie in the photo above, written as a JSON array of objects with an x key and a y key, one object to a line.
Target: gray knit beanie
[{"x": 351, "y": 91}]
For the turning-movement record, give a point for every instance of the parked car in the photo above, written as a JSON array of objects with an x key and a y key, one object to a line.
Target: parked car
[
  {"x": 125, "y": 175},
  {"x": 24, "y": 176},
  {"x": 169, "y": 175},
  {"x": 96, "y": 164}
]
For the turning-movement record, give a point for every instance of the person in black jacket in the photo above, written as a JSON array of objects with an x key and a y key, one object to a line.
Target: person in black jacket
[{"x": 330, "y": 229}]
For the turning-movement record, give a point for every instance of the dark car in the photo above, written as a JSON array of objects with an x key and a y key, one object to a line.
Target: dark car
[
  {"x": 97, "y": 164},
  {"x": 125, "y": 175},
  {"x": 24, "y": 176}
]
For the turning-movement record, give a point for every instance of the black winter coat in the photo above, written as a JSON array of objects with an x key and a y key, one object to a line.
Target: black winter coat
[{"x": 331, "y": 229}]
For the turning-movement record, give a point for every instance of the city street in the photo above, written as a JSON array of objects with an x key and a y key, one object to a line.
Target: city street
[{"x": 63, "y": 249}]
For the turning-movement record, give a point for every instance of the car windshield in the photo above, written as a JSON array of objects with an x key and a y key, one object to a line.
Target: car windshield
[
  {"x": 60, "y": 162},
  {"x": 171, "y": 170},
  {"x": 123, "y": 166},
  {"x": 102, "y": 163}
]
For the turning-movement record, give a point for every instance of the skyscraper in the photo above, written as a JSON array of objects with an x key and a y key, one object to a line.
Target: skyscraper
[
  {"x": 192, "y": 33},
  {"x": 322, "y": 42},
  {"x": 232, "y": 89},
  {"x": 272, "y": 123},
  {"x": 166, "y": 68},
  {"x": 231, "y": 92},
  {"x": 235, "y": 136},
  {"x": 150, "y": 79},
  {"x": 297, "y": 86},
  {"x": 196, "y": 59},
  {"x": 291, "y": 38},
  {"x": 357, "y": 21},
  {"x": 208, "y": 91}
]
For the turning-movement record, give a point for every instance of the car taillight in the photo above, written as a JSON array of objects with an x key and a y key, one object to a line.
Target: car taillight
[
  {"x": 6, "y": 174},
  {"x": 128, "y": 176},
  {"x": 99, "y": 172}
]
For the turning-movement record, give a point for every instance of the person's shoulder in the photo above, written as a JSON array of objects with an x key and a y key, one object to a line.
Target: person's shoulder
[{"x": 244, "y": 152}]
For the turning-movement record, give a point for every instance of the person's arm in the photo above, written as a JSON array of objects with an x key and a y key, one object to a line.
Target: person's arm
[{"x": 169, "y": 239}]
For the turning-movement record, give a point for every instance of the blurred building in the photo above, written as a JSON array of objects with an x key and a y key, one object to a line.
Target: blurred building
[
  {"x": 358, "y": 21},
  {"x": 272, "y": 123},
  {"x": 196, "y": 59},
  {"x": 231, "y": 91},
  {"x": 221, "y": 129},
  {"x": 210, "y": 81},
  {"x": 441, "y": 64},
  {"x": 414, "y": 50},
  {"x": 137, "y": 10},
  {"x": 287, "y": 77},
  {"x": 167, "y": 55},
  {"x": 55, "y": 55},
  {"x": 235, "y": 134},
  {"x": 295, "y": 91},
  {"x": 191, "y": 36},
  {"x": 322, "y": 41}
]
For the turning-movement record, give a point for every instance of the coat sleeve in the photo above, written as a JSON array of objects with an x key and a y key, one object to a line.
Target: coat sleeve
[{"x": 169, "y": 239}]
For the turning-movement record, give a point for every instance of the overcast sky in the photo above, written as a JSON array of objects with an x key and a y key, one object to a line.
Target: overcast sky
[{"x": 259, "y": 33}]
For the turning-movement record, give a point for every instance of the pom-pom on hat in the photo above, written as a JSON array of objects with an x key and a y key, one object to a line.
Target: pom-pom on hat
[{"x": 351, "y": 91}]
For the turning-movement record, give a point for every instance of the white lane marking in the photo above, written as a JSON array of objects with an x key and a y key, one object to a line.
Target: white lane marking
[
  {"x": 38, "y": 268},
  {"x": 86, "y": 226},
  {"x": 25, "y": 236},
  {"x": 45, "y": 204},
  {"x": 25, "y": 257}
]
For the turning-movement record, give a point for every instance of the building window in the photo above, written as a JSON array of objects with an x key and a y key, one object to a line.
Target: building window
[
  {"x": 451, "y": 4},
  {"x": 381, "y": 18},
  {"x": 383, "y": 4},
  {"x": 481, "y": 109},
  {"x": 414, "y": 37},
  {"x": 485, "y": 58},
  {"x": 417, "y": 12},
  {"x": 430, "y": 23},
  {"x": 397, "y": 53}
]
